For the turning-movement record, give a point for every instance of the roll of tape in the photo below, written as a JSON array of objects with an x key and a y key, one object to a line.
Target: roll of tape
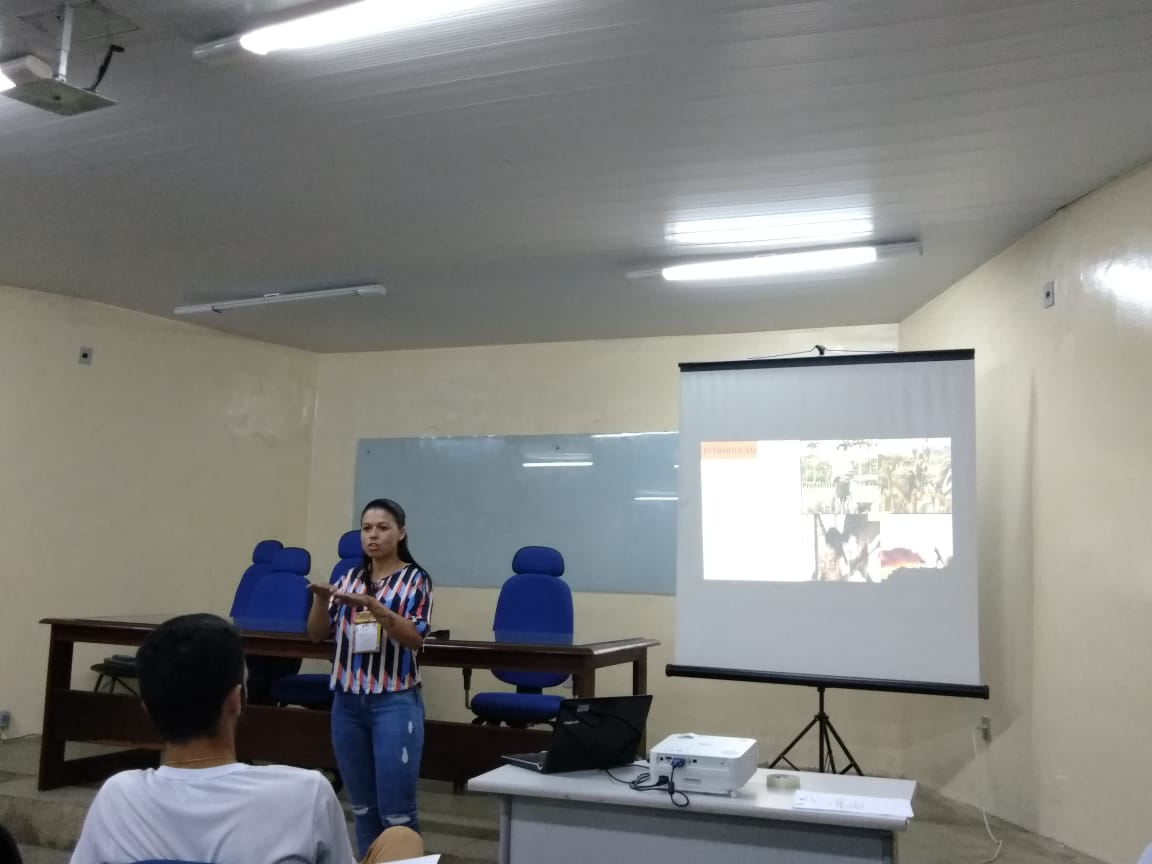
[{"x": 783, "y": 781}]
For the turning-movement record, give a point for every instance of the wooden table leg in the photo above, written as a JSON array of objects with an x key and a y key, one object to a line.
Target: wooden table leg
[
  {"x": 58, "y": 679},
  {"x": 640, "y": 674},
  {"x": 640, "y": 685},
  {"x": 584, "y": 684}
]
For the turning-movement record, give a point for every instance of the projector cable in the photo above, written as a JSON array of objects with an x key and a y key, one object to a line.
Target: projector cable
[
  {"x": 639, "y": 783},
  {"x": 643, "y": 782},
  {"x": 112, "y": 49},
  {"x": 672, "y": 791}
]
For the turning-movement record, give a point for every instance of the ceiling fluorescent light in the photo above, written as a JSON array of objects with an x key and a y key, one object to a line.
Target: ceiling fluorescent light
[
  {"x": 770, "y": 265},
  {"x": 221, "y": 305},
  {"x": 557, "y": 464},
  {"x": 796, "y": 229},
  {"x": 783, "y": 263},
  {"x": 354, "y": 21}
]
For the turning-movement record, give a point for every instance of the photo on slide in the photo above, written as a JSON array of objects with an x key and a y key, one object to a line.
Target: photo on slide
[
  {"x": 915, "y": 476},
  {"x": 839, "y": 476},
  {"x": 847, "y": 548}
]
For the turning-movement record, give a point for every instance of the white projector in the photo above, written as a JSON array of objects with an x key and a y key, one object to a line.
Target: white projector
[{"x": 704, "y": 763}]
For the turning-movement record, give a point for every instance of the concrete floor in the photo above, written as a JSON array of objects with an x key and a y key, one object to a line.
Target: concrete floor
[{"x": 463, "y": 828}]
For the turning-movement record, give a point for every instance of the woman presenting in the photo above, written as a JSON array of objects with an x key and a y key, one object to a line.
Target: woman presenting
[{"x": 378, "y": 614}]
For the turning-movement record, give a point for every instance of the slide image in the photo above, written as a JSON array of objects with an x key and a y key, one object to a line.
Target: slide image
[{"x": 849, "y": 510}]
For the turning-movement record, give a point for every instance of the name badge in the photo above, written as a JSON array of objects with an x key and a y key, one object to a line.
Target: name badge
[{"x": 365, "y": 633}]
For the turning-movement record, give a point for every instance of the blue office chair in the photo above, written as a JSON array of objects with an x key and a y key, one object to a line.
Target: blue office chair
[
  {"x": 311, "y": 689},
  {"x": 278, "y": 603},
  {"x": 535, "y": 605},
  {"x": 260, "y": 567},
  {"x": 351, "y": 552},
  {"x": 279, "y": 600}
]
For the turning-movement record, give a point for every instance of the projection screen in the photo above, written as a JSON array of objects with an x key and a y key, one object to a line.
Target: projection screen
[{"x": 827, "y": 522}]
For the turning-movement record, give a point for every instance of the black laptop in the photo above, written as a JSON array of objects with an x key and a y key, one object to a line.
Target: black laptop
[{"x": 588, "y": 734}]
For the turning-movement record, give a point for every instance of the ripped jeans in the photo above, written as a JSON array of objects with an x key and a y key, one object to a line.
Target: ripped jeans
[{"x": 378, "y": 739}]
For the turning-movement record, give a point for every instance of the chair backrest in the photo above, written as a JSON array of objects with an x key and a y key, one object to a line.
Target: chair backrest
[
  {"x": 535, "y": 605},
  {"x": 260, "y": 567},
  {"x": 351, "y": 553},
  {"x": 292, "y": 559},
  {"x": 264, "y": 551},
  {"x": 280, "y": 600}
]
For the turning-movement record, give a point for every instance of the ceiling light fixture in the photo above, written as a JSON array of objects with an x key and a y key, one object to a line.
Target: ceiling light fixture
[
  {"x": 784, "y": 263},
  {"x": 221, "y": 305},
  {"x": 841, "y": 226},
  {"x": 340, "y": 24}
]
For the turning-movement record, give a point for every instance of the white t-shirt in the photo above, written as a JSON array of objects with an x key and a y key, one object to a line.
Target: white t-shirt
[{"x": 231, "y": 814}]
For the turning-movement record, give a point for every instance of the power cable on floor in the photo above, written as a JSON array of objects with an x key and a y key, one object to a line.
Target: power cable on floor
[{"x": 983, "y": 813}]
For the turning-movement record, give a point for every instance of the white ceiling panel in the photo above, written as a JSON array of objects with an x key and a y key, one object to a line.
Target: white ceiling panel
[{"x": 504, "y": 172}]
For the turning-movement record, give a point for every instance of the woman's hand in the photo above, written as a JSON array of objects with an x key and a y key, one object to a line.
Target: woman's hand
[
  {"x": 325, "y": 591},
  {"x": 365, "y": 601},
  {"x": 379, "y": 611},
  {"x": 356, "y": 601},
  {"x": 319, "y": 624}
]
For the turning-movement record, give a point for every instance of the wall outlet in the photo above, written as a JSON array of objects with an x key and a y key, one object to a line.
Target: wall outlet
[
  {"x": 5, "y": 720},
  {"x": 985, "y": 727}
]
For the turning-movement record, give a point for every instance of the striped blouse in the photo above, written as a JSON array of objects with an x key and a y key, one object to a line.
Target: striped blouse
[{"x": 407, "y": 592}]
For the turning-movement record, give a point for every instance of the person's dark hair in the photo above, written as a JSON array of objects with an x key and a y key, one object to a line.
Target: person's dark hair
[
  {"x": 186, "y": 667},
  {"x": 398, "y": 514},
  {"x": 9, "y": 851}
]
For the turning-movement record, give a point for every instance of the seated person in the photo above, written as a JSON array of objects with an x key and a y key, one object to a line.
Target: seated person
[{"x": 201, "y": 804}]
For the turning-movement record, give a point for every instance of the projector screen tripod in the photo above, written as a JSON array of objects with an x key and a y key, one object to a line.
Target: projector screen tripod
[{"x": 826, "y": 762}]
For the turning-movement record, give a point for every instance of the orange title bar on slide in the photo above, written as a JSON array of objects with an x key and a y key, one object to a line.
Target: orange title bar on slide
[{"x": 728, "y": 450}]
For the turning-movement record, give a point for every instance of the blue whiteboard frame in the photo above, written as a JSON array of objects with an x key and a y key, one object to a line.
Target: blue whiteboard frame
[{"x": 471, "y": 504}]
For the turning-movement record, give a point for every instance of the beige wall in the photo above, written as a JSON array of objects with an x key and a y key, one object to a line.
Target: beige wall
[
  {"x": 1064, "y": 421},
  {"x": 137, "y": 484},
  {"x": 568, "y": 387}
]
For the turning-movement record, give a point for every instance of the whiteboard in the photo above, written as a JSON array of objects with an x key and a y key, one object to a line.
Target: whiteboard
[{"x": 471, "y": 503}]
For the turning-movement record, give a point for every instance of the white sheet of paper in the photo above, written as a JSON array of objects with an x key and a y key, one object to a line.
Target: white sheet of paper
[{"x": 832, "y": 802}]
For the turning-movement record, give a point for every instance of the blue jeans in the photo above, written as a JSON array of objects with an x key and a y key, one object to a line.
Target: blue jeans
[{"x": 379, "y": 739}]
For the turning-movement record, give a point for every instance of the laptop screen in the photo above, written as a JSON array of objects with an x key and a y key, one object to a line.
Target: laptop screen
[{"x": 601, "y": 732}]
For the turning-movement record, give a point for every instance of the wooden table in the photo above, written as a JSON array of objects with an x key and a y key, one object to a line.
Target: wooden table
[{"x": 452, "y": 751}]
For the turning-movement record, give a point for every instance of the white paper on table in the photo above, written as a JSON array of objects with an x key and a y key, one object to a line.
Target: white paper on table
[{"x": 838, "y": 803}]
